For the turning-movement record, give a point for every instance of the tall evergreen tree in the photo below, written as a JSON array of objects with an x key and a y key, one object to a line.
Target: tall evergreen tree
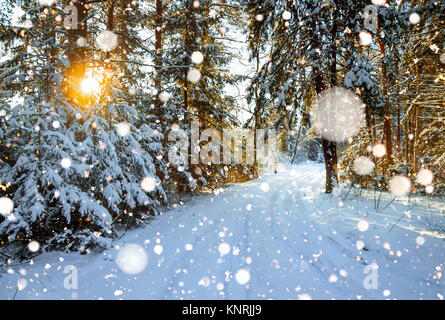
[
  {"x": 78, "y": 161},
  {"x": 194, "y": 76}
]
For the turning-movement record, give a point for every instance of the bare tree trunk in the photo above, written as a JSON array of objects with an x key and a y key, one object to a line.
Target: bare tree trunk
[
  {"x": 77, "y": 56},
  {"x": 110, "y": 22},
  {"x": 158, "y": 48},
  {"x": 416, "y": 139},
  {"x": 257, "y": 121},
  {"x": 398, "y": 131},
  {"x": 330, "y": 147},
  {"x": 187, "y": 43},
  {"x": 406, "y": 141}
]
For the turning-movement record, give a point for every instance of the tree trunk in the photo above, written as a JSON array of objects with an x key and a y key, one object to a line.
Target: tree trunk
[
  {"x": 110, "y": 22},
  {"x": 187, "y": 44},
  {"x": 407, "y": 127},
  {"x": 398, "y": 132},
  {"x": 158, "y": 47},
  {"x": 77, "y": 56},
  {"x": 255, "y": 167},
  {"x": 330, "y": 147},
  {"x": 416, "y": 139}
]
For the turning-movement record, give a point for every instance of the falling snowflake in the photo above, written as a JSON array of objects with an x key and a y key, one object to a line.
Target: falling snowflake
[
  {"x": 379, "y": 150},
  {"x": 338, "y": 114},
  {"x": 205, "y": 282},
  {"x": 123, "y": 129},
  {"x": 81, "y": 42},
  {"x": 399, "y": 185},
  {"x": 434, "y": 47},
  {"x": 359, "y": 245},
  {"x": 212, "y": 13},
  {"x": 420, "y": 240},
  {"x": 47, "y": 2},
  {"x": 33, "y": 246},
  {"x": 148, "y": 184},
  {"x": 118, "y": 293},
  {"x": 164, "y": 96},
  {"x": 106, "y": 40},
  {"x": 197, "y": 57},
  {"x": 363, "y": 165},
  {"x": 132, "y": 259},
  {"x": 65, "y": 163},
  {"x": 379, "y": 3},
  {"x": 193, "y": 75},
  {"x": 158, "y": 249},
  {"x": 174, "y": 127},
  {"x": 259, "y": 17},
  {"x": 429, "y": 189},
  {"x": 365, "y": 38},
  {"x": 220, "y": 286},
  {"x": 286, "y": 15},
  {"x": 414, "y": 18},
  {"x": 362, "y": 225},
  {"x": 424, "y": 177},
  {"x": 224, "y": 248},
  {"x": 6, "y": 206},
  {"x": 242, "y": 276},
  {"x": 304, "y": 296}
]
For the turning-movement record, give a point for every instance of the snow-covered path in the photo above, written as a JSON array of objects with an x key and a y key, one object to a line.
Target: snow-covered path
[{"x": 294, "y": 241}]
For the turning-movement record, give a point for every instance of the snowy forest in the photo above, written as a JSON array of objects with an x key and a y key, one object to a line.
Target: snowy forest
[{"x": 120, "y": 123}]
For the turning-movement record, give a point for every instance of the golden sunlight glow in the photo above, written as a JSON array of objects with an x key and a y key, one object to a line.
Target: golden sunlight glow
[{"x": 90, "y": 86}]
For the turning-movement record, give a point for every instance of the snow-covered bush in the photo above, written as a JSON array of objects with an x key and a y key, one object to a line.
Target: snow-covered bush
[{"x": 44, "y": 168}]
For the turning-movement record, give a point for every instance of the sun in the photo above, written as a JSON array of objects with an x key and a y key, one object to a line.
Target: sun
[{"x": 90, "y": 86}]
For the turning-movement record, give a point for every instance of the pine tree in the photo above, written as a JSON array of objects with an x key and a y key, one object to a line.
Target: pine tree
[
  {"x": 77, "y": 162},
  {"x": 43, "y": 164},
  {"x": 195, "y": 88}
]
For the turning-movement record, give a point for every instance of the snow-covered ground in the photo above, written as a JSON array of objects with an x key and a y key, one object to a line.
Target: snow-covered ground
[{"x": 283, "y": 237}]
